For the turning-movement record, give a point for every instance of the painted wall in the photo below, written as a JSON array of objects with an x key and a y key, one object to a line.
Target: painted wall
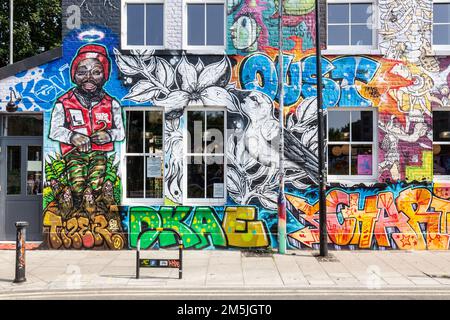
[{"x": 402, "y": 210}]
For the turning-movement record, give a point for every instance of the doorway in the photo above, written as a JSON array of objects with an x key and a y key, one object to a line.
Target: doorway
[{"x": 21, "y": 175}]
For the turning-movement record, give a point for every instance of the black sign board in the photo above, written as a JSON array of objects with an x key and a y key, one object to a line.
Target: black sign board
[{"x": 159, "y": 263}]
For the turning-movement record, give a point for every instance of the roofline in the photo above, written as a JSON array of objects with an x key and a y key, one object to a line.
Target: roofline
[{"x": 30, "y": 63}]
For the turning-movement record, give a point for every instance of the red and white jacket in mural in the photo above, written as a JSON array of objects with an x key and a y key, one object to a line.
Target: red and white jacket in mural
[{"x": 70, "y": 115}]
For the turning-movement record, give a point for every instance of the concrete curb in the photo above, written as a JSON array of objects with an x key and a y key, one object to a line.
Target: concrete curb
[{"x": 266, "y": 293}]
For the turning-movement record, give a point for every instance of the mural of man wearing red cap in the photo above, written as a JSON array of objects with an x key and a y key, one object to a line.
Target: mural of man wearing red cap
[{"x": 86, "y": 121}]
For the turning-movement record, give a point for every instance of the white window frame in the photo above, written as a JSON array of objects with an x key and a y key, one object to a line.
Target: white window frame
[
  {"x": 442, "y": 49},
  {"x": 124, "y": 25},
  {"x": 205, "y": 201},
  {"x": 204, "y": 49},
  {"x": 355, "y": 179},
  {"x": 123, "y": 165},
  {"x": 354, "y": 49},
  {"x": 440, "y": 177}
]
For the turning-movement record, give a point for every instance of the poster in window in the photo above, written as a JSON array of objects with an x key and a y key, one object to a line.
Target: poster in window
[
  {"x": 218, "y": 190},
  {"x": 154, "y": 165},
  {"x": 364, "y": 164}
]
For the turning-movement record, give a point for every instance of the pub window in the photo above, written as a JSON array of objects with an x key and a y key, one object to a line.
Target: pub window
[
  {"x": 144, "y": 155},
  {"x": 205, "y": 155},
  {"x": 441, "y": 144},
  {"x": 351, "y": 144}
]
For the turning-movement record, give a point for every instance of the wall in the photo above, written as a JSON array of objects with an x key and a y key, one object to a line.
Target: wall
[{"x": 404, "y": 210}]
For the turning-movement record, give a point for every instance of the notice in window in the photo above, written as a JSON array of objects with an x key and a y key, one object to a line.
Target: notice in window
[
  {"x": 364, "y": 164},
  {"x": 154, "y": 165},
  {"x": 218, "y": 190}
]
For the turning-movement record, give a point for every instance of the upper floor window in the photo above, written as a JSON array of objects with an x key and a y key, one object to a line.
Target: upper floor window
[
  {"x": 205, "y": 24},
  {"x": 350, "y": 24},
  {"x": 142, "y": 23},
  {"x": 351, "y": 144},
  {"x": 441, "y": 23},
  {"x": 441, "y": 144}
]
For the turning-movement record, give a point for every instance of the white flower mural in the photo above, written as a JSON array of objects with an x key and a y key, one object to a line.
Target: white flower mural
[{"x": 252, "y": 128}]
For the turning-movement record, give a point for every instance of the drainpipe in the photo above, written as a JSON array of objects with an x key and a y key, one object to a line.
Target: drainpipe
[
  {"x": 320, "y": 148},
  {"x": 11, "y": 28},
  {"x": 281, "y": 197}
]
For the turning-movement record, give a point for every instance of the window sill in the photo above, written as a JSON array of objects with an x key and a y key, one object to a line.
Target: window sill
[
  {"x": 142, "y": 203},
  {"x": 350, "y": 50},
  {"x": 444, "y": 179},
  {"x": 202, "y": 202},
  {"x": 129, "y": 48},
  {"x": 439, "y": 51},
  {"x": 351, "y": 182},
  {"x": 205, "y": 50}
]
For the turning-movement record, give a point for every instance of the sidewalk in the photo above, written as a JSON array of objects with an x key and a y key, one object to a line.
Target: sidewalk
[{"x": 72, "y": 272}]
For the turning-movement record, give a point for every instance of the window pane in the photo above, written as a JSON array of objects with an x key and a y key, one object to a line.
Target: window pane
[
  {"x": 362, "y": 126},
  {"x": 441, "y": 126},
  {"x": 441, "y": 155},
  {"x": 339, "y": 125},
  {"x": 153, "y": 132},
  {"x": 135, "y": 131},
  {"x": 215, "y": 24},
  {"x": 196, "y": 127},
  {"x": 338, "y": 13},
  {"x": 135, "y": 177},
  {"x": 154, "y": 177},
  {"x": 441, "y": 12},
  {"x": 441, "y": 34},
  {"x": 338, "y": 158},
  {"x": 155, "y": 25},
  {"x": 362, "y": 160},
  {"x": 196, "y": 177},
  {"x": 16, "y": 125},
  {"x": 215, "y": 131},
  {"x": 14, "y": 170},
  {"x": 215, "y": 177},
  {"x": 338, "y": 35},
  {"x": 360, "y": 12},
  {"x": 34, "y": 170},
  {"x": 135, "y": 24},
  {"x": 361, "y": 36},
  {"x": 196, "y": 24}
]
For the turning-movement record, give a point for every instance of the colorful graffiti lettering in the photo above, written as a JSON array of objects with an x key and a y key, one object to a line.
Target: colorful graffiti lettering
[
  {"x": 80, "y": 232},
  {"x": 39, "y": 87},
  {"x": 199, "y": 227},
  {"x": 412, "y": 218},
  {"x": 259, "y": 72}
]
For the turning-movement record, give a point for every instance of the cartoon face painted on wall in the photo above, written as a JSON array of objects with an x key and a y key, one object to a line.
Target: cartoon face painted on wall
[{"x": 89, "y": 75}]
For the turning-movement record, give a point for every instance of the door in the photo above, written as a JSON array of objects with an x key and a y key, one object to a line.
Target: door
[{"x": 21, "y": 163}]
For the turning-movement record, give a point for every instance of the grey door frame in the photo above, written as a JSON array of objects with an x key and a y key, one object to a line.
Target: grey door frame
[{"x": 24, "y": 142}]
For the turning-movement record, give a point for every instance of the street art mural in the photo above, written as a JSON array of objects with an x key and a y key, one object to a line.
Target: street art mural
[
  {"x": 83, "y": 95},
  {"x": 83, "y": 181},
  {"x": 387, "y": 217},
  {"x": 200, "y": 227},
  {"x": 254, "y": 24}
]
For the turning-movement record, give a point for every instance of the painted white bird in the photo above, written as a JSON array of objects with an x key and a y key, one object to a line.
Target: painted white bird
[{"x": 261, "y": 139}]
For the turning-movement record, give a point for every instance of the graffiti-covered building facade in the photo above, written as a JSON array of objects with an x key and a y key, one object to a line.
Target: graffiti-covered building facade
[{"x": 165, "y": 114}]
